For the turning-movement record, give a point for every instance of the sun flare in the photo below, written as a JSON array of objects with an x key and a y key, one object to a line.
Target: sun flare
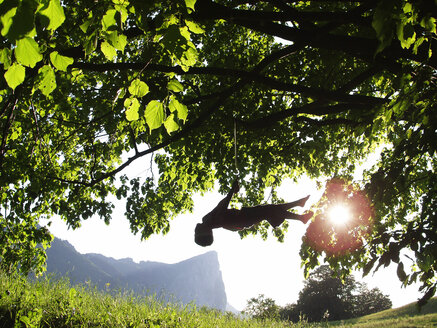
[{"x": 339, "y": 214}]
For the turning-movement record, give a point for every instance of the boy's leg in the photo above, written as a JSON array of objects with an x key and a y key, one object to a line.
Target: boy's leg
[
  {"x": 300, "y": 202},
  {"x": 304, "y": 218},
  {"x": 275, "y": 214},
  {"x": 277, "y": 217}
]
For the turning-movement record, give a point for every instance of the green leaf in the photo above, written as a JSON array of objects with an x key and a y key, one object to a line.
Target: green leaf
[
  {"x": 27, "y": 52},
  {"x": 190, "y": 3},
  {"x": 132, "y": 106},
  {"x": 170, "y": 124},
  {"x": 138, "y": 88},
  {"x": 90, "y": 44},
  {"x": 406, "y": 35},
  {"x": 55, "y": 13},
  {"x": 175, "y": 86},
  {"x": 109, "y": 51},
  {"x": 189, "y": 58},
  {"x": 5, "y": 57},
  {"x": 108, "y": 20},
  {"x": 154, "y": 114},
  {"x": 84, "y": 26},
  {"x": 194, "y": 27},
  {"x": 47, "y": 80},
  {"x": 60, "y": 62},
  {"x": 117, "y": 41},
  {"x": 185, "y": 33},
  {"x": 14, "y": 76},
  {"x": 180, "y": 108},
  {"x": 401, "y": 273},
  {"x": 18, "y": 20},
  {"x": 7, "y": 19},
  {"x": 429, "y": 23}
]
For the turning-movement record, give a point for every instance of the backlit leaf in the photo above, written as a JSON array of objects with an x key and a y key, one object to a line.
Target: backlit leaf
[
  {"x": 154, "y": 114},
  {"x": 190, "y": 3},
  {"x": 109, "y": 51},
  {"x": 60, "y": 62},
  {"x": 132, "y": 106},
  {"x": 194, "y": 27},
  {"x": 47, "y": 80},
  {"x": 175, "y": 86},
  {"x": 27, "y": 52},
  {"x": 14, "y": 76},
  {"x": 180, "y": 108},
  {"x": 19, "y": 19},
  {"x": 108, "y": 19},
  {"x": 55, "y": 13},
  {"x": 5, "y": 57},
  {"x": 7, "y": 19},
  {"x": 170, "y": 124},
  {"x": 117, "y": 41},
  {"x": 138, "y": 88}
]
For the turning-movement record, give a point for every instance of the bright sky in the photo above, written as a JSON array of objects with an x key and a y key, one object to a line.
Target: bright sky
[{"x": 249, "y": 266}]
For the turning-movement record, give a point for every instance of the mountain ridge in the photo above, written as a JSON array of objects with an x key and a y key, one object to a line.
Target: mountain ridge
[{"x": 197, "y": 279}]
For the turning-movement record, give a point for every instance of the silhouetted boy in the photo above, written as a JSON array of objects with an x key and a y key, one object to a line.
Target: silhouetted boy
[{"x": 233, "y": 219}]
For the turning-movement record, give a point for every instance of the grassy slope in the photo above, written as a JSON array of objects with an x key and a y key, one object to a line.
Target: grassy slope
[
  {"x": 46, "y": 303},
  {"x": 402, "y": 317}
]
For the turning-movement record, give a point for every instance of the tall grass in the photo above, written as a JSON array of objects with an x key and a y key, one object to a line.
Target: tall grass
[{"x": 51, "y": 302}]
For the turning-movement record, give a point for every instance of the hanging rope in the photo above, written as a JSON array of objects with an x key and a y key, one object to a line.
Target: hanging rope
[{"x": 235, "y": 146}]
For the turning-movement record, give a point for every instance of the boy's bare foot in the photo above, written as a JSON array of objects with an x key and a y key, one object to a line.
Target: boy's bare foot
[
  {"x": 301, "y": 202},
  {"x": 306, "y": 217}
]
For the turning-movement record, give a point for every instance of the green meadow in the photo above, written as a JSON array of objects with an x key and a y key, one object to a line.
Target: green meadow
[
  {"x": 407, "y": 316},
  {"x": 53, "y": 302}
]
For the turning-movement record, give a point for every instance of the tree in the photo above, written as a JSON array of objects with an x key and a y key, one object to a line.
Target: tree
[
  {"x": 370, "y": 301},
  {"x": 313, "y": 87},
  {"x": 325, "y": 296},
  {"x": 262, "y": 308},
  {"x": 322, "y": 292}
]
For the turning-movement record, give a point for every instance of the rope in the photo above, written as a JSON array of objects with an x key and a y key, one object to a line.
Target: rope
[{"x": 235, "y": 145}]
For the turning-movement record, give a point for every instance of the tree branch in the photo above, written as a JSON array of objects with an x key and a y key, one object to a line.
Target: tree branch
[
  {"x": 211, "y": 10},
  {"x": 311, "y": 109},
  {"x": 360, "y": 47},
  {"x": 235, "y": 73}
]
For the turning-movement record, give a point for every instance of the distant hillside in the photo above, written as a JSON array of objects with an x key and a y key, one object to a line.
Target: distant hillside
[
  {"x": 405, "y": 316},
  {"x": 198, "y": 279},
  {"x": 406, "y": 310}
]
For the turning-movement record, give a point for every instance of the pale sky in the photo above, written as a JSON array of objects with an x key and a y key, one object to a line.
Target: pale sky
[{"x": 249, "y": 266}]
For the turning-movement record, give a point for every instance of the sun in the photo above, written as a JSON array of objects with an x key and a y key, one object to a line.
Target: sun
[{"x": 339, "y": 214}]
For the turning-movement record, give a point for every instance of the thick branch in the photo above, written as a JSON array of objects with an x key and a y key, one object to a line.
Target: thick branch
[
  {"x": 332, "y": 121},
  {"x": 238, "y": 74},
  {"x": 211, "y": 10},
  {"x": 311, "y": 109},
  {"x": 364, "y": 48}
]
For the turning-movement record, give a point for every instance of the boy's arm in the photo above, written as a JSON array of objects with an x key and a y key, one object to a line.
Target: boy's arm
[{"x": 225, "y": 201}]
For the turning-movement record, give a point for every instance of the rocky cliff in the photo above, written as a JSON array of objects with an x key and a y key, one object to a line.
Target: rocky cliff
[{"x": 197, "y": 279}]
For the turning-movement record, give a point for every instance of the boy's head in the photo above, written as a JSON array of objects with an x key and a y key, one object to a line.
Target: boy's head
[{"x": 203, "y": 235}]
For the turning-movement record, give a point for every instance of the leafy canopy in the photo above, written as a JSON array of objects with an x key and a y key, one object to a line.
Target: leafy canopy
[{"x": 89, "y": 87}]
